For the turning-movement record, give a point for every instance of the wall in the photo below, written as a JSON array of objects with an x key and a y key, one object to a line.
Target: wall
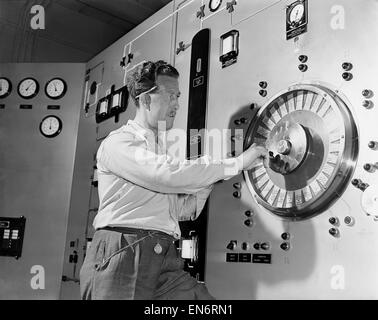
[{"x": 36, "y": 176}]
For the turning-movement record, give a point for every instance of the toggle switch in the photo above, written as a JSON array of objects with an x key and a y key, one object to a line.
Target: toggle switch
[
  {"x": 347, "y": 66},
  {"x": 263, "y": 84},
  {"x": 303, "y": 58},
  {"x": 302, "y": 67},
  {"x": 249, "y": 223},
  {"x": 245, "y": 246},
  {"x": 263, "y": 93},
  {"x": 368, "y": 104},
  {"x": 367, "y": 93},
  {"x": 237, "y": 122},
  {"x": 370, "y": 167},
  {"x": 285, "y": 236},
  {"x": 265, "y": 246},
  {"x": 347, "y": 76},
  {"x": 243, "y": 120},
  {"x": 334, "y": 232},
  {"x": 373, "y": 145},
  {"x": 237, "y": 194},
  {"x": 285, "y": 246},
  {"x": 237, "y": 185},
  {"x": 333, "y": 220},
  {"x": 248, "y": 213},
  {"x": 232, "y": 245}
]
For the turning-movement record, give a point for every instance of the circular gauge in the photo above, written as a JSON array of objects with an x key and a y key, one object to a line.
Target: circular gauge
[
  {"x": 214, "y": 5},
  {"x": 28, "y": 88},
  {"x": 311, "y": 128},
  {"x": 296, "y": 13},
  {"x": 5, "y": 87},
  {"x": 56, "y": 88},
  {"x": 51, "y": 126}
]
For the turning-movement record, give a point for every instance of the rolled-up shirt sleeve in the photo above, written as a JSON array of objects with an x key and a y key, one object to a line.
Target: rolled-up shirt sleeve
[{"x": 129, "y": 158}]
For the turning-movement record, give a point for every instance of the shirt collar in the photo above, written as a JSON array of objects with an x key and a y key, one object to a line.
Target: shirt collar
[{"x": 141, "y": 131}]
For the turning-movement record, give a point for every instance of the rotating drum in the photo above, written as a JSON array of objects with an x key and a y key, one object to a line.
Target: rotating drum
[{"x": 313, "y": 130}]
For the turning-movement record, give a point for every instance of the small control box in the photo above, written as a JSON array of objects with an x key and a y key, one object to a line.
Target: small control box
[{"x": 12, "y": 236}]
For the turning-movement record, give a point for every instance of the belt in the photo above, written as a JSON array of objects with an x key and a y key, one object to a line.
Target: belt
[{"x": 141, "y": 232}]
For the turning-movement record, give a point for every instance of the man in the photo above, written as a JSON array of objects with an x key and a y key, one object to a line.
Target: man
[{"x": 143, "y": 194}]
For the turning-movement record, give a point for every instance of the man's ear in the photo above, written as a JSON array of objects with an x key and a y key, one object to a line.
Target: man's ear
[{"x": 145, "y": 99}]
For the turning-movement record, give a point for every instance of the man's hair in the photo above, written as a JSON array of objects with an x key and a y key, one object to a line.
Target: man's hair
[{"x": 143, "y": 77}]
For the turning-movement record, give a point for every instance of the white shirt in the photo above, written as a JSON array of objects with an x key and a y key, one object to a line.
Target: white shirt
[{"x": 141, "y": 186}]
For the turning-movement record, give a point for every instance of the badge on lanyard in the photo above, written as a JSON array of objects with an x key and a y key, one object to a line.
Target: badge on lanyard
[{"x": 158, "y": 248}]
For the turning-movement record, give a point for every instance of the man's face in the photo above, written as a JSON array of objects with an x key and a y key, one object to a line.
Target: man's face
[{"x": 164, "y": 102}]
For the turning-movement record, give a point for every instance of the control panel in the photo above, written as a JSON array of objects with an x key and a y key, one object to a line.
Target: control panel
[{"x": 12, "y": 236}]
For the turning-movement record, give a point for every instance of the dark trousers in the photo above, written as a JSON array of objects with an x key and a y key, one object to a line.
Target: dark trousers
[{"x": 126, "y": 263}]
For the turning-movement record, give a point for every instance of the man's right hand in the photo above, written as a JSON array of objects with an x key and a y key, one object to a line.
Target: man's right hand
[{"x": 253, "y": 153}]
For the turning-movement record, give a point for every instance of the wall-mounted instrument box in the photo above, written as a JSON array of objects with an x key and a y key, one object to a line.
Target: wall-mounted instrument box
[{"x": 12, "y": 236}]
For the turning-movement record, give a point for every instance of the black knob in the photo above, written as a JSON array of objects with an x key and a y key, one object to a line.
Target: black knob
[
  {"x": 356, "y": 182},
  {"x": 237, "y": 194},
  {"x": 265, "y": 246},
  {"x": 302, "y": 58},
  {"x": 248, "y": 213},
  {"x": 237, "y": 185},
  {"x": 245, "y": 246},
  {"x": 256, "y": 246},
  {"x": 252, "y": 106},
  {"x": 237, "y": 122},
  {"x": 334, "y": 232},
  {"x": 232, "y": 245},
  {"x": 367, "y": 93},
  {"x": 347, "y": 76},
  {"x": 333, "y": 220},
  {"x": 285, "y": 246},
  {"x": 363, "y": 186},
  {"x": 248, "y": 223},
  {"x": 285, "y": 236},
  {"x": 262, "y": 93},
  {"x": 368, "y": 167},
  {"x": 263, "y": 84},
  {"x": 368, "y": 104},
  {"x": 373, "y": 145},
  {"x": 302, "y": 67},
  {"x": 347, "y": 66},
  {"x": 243, "y": 120},
  {"x": 349, "y": 221}
]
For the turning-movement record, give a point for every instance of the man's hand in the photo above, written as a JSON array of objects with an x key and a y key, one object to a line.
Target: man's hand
[{"x": 249, "y": 156}]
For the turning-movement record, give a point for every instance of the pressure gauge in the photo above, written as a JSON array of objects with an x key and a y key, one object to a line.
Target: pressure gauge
[
  {"x": 296, "y": 13},
  {"x": 5, "y": 87},
  {"x": 28, "y": 88},
  {"x": 56, "y": 88},
  {"x": 51, "y": 126},
  {"x": 214, "y": 5}
]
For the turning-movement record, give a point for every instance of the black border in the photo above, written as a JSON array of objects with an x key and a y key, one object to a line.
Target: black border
[
  {"x": 57, "y": 132},
  {"x": 64, "y": 89},
  {"x": 213, "y": 10},
  {"x": 36, "y": 90},
  {"x": 10, "y": 88}
]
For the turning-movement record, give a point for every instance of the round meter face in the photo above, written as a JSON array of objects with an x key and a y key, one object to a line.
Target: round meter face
[
  {"x": 312, "y": 130},
  {"x": 296, "y": 13}
]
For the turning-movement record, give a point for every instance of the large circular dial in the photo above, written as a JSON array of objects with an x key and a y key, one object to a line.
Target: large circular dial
[{"x": 312, "y": 129}]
